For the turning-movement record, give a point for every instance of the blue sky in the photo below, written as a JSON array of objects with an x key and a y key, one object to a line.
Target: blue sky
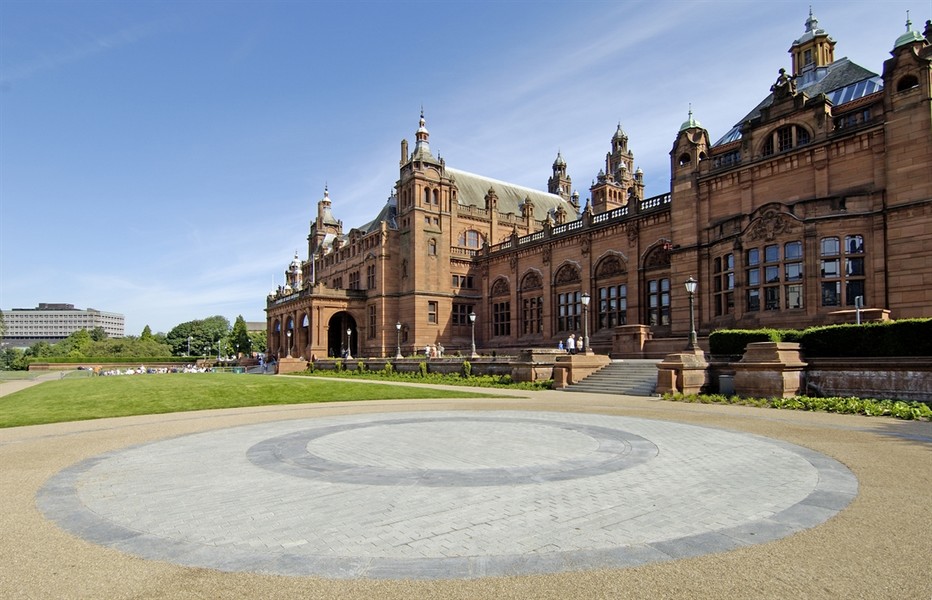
[{"x": 164, "y": 159}]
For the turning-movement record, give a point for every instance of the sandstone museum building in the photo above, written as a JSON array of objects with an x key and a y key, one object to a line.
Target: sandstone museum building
[{"x": 816, "y": 204}]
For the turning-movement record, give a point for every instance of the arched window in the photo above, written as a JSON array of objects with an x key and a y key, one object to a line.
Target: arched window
[
  {"x": 567, "y": 295},
  {"x": 684, "y": 159},
  {"x": 907, "y": 83},
  {"x": 612, "y": 288},
  {"x": 501, "y": 307},
  {"x": 657, "y": 285},
  {"x": 532, "y": 304}
]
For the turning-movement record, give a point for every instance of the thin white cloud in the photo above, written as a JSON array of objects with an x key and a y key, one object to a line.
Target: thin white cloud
[{"x": 77, "y": 52}]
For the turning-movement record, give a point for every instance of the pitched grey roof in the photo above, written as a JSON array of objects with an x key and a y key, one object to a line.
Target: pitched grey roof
[
  {"x": 842, "y": 81},
  {"x": 473, "y": 189}
]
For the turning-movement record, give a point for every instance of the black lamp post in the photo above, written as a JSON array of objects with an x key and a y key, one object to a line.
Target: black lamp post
[
  {"x": 585, "y": 307},
  {"x": 349, "y": 344},
  {"x": 398, "y": 340},
  {"x": 691, "y": 286},
  {"x": 289, "y": 343},
  {"x": 472, "y": 323}
]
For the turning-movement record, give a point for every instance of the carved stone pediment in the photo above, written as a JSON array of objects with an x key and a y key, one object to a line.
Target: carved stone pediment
[{"x": 769, "y": 226}]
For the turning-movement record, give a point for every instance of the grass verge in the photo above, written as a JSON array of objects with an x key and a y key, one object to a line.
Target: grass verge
[{"x": 102, "y": 397}]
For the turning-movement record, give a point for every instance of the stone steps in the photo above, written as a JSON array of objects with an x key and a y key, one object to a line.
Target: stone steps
[{"x": 628, "y": 377}]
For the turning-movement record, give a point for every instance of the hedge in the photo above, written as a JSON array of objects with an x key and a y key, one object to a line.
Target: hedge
[
  {"x": 907, "y": 337},
  {"x": 138, "y": 360}
]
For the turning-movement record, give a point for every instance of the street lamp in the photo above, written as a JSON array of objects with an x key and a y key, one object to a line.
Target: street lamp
[
  {"x": 398, "y": 340},
  {"x": 189, "y": 344},
  {"x": 349, "y": 344},
  {"x": 691, "y": 286},
  {"x": 585, "y": 309},
  {"x": 289, "y": 343},
  {"x": 472, "y": 323}
]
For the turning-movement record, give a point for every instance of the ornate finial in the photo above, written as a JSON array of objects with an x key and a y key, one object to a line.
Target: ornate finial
[
  {"x": 812, "y": 23},
  {"x": 909, "y": 24}
]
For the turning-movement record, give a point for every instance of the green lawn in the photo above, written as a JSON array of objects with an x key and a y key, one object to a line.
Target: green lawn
[{"x": 100, "y": 397}]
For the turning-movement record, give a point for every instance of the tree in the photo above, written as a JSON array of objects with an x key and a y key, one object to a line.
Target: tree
[
  {"x": 146, "y": 334},
  {"x": 2, "y": 326},
  {"x": 257, "y": 341},
  {"x": 98, "y": 334},
  {"x": 202, "y": 333},
  {"x": 240, "y": 335}
]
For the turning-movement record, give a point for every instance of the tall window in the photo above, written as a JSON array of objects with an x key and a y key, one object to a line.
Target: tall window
[
  {"x": 658, "y": 301},
  {"x": 613, "y": 306},
  {"x": 568, "y": 309},
  {"x": 460, "y": 316},
  {"x": 432, "y": 312},
  {"x": 723, "y": 282},
  {"x": 370, "y": 277},
  {"x": 532, "y": 320},
  {"x": 354, "y": 280},
  {"x": 775, "y": 275},
  {"x": 501, "y": 318},
  {"x": 432, "y": 247},
  {"x": 371, "y": 332},
  {"x": 532, "y": 304},
  {"x": 834, "y": 278}
]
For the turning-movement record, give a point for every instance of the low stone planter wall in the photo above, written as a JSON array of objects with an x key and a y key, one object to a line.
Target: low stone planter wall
[{"x": 906, "y": 378}]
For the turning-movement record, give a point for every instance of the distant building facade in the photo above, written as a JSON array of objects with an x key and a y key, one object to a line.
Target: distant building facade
[
  {"x": 55, "y": 322},
  {"x": 817, "y": 202}
]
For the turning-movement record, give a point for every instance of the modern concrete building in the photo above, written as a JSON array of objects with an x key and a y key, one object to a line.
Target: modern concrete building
[
  {"x": 816, "y": 204},
  {"x": 54, "y": 322}
]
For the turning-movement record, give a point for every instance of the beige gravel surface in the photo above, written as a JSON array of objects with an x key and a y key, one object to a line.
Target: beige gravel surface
[{"x": 880, "y": 546}]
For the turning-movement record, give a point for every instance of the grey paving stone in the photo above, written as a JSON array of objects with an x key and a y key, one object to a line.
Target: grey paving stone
[{"x": 446, "y": 494}]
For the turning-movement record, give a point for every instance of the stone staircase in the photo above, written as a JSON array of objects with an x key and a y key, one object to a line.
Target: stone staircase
[{"x": 628, "y": 377}]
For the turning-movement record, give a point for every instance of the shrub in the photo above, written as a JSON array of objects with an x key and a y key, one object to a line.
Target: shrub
[
  {"x": 388, "y": 369},
  {"x": 732, "y": 342},
  {"x": 360, "y": 366},
  {"x": 422, "y": 369},
  {"x": 467, "y": 368},
  {"x": 338, "y": 365}
]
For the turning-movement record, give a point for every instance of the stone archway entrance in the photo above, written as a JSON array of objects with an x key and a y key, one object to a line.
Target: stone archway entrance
[{"x": 338, "y": 340}]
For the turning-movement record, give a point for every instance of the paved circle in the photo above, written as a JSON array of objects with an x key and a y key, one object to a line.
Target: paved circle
[
  {"x": 452, "y": 451},
  {"x": 446, "y": 494}
]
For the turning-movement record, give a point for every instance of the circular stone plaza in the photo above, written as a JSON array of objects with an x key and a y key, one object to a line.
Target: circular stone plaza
[{"x": 534, "y": 495}]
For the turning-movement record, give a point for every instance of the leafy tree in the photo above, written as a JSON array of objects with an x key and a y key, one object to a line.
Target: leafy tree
[
  {"x": 38, "y": 350},
  {"x": 2, "y": 326},
  {"x": 146, "y": 333},
  {"x": 240, "y": 335},
  {"x": 257, "y": 341},
  {"x": 202, "y": 333},
  {"x": 13, "y": 359},
  {"x": 75, "y": 345},
  {"x": 98, "y": 334}
]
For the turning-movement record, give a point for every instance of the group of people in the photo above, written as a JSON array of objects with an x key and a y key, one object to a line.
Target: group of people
[
  {"x": 142, "y": 370},
  {"x": 433, "y": 351},
  {"x": 574, "y": 345}
]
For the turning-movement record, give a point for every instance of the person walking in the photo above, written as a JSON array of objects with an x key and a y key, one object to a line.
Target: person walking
[
  {"x": 579, "y": 345},
  {"x": 571, "y": 344}
]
